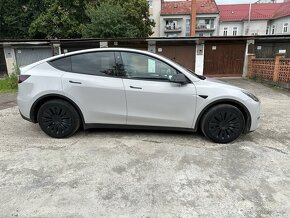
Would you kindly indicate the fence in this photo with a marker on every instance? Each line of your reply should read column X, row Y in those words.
column 271, row 69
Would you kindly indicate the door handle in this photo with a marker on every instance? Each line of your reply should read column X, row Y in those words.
column 134, row 87
column 75, row 82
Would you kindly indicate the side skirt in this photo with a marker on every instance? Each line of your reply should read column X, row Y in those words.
column 135, row 127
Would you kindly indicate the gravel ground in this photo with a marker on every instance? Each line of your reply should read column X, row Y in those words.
column 114, row 173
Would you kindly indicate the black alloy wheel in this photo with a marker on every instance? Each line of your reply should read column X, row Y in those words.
column 223, row 123
column 58, row 118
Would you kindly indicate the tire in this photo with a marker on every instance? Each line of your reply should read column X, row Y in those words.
column 223, row 123
column 58, row 118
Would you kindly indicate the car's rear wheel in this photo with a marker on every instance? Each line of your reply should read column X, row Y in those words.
column 223, row 123
column 58, row 118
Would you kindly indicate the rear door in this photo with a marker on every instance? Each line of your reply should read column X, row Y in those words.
column 92, row 83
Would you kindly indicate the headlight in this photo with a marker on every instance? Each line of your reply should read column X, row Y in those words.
column 252, row 96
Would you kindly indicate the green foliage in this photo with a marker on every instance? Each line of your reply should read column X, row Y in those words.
column 62, row 19
column 119, row 18
column 51, row 19
column 10, row 83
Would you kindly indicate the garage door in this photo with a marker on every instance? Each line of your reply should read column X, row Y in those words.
column 182, row 54
column 224, row 59
column 26, row 56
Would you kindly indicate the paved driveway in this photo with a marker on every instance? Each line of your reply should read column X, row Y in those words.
column 111, row 173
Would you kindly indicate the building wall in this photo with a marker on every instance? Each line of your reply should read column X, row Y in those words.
column 279, row 23
column 181, row 21
column 216, row 24
column 257, row 27
column 230, row 26
column 10, row 59
column 154, row 11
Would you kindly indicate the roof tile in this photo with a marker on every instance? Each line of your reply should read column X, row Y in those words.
column 263, row 11
column 184, row 7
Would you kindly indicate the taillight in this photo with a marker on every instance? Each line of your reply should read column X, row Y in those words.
column 22, row 78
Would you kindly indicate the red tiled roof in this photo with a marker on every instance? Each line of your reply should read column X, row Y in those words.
column 206, row 7
column 283, row 11
column 176, row 7
column 263, row 11
column 184, row 7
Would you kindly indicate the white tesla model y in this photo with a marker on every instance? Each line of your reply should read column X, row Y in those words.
column 126, row 88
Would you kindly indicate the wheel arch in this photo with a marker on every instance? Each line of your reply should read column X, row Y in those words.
column 232, row 102
column 37, row 104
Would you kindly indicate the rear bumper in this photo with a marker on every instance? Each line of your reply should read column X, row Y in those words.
column 25, row 118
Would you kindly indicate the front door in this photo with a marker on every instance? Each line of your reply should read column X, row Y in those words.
column 152, row 99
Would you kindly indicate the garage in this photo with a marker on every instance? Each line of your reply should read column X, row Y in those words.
column 224, row 58
column 26, row 56
column 180, row 52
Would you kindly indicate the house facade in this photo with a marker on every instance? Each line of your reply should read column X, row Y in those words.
column 173, row 18
column 255, row 19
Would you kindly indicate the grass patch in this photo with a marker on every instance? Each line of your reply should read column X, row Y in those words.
column 10, row 83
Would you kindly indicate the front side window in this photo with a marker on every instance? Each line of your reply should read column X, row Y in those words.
column 138, row 66
column 97, row 63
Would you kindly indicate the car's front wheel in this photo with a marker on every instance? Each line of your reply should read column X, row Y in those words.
column 58, row 118
column 223, row 123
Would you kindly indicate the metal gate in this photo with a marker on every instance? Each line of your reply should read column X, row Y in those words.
column 26, row 56
column 224, row 59
column 3, row 68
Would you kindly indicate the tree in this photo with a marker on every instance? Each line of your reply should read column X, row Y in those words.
column 61, row 19
column 14, row 19
column 118, row 18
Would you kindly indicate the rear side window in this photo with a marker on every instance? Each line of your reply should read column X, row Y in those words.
column 62, row 64
column 98, row 63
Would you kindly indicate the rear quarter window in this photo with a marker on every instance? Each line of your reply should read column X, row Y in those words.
column 62, row 64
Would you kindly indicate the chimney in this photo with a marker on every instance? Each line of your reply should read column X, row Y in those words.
column 193, row 18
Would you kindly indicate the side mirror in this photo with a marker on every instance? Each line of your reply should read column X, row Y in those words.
column 179, row 78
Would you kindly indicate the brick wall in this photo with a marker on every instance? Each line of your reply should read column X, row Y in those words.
column 272, row 69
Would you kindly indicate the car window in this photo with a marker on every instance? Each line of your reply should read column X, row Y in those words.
column 62, row 64
column 138, row 66
column 97, row 63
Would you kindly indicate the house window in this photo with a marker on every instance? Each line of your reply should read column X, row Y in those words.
column 285, row 28
column 268, row 30
column 187, row 24
column 273, row 30
column 225, row 31
column 207, row 23
column 171, row 24
column 235, row 31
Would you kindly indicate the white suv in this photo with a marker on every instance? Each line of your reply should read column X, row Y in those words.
column 126, row 88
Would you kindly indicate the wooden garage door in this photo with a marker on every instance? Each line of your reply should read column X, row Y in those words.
column 224, row 59
column 182, row 54
column 3, row 69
